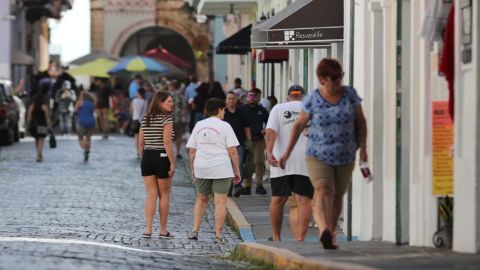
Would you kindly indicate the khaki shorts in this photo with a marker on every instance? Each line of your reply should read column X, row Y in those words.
column 213, row 186
column 320, row 171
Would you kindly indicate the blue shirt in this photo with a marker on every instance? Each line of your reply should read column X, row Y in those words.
column 133, row 89
column 85, row 114
column 191, row 91
column 331, row 136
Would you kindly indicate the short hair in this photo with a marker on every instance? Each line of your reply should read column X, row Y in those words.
column 138, row 77
column 141, row 92
column 238, row 81
column 255, row 90
column 231, row 92
column 213, row 106
column 329, row 67
column 194, row 79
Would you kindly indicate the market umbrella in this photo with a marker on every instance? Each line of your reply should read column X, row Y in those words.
column 164, row 55
column 91, row 57
column 95, row 68
column 142, row 65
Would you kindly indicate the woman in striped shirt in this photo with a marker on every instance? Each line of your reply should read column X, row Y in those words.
column 158, row 163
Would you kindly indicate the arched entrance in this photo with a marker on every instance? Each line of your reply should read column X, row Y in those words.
column 160, row 37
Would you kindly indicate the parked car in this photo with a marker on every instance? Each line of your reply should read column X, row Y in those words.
column 9, row 114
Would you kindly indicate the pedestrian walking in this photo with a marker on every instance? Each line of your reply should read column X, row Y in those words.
column 134, row 85
column 237, row 121
column 190, row 94
column 84, row 109
column 103, row 104
column 179, row 116
column 214, row 164
column 158, row 163
column 239, row 91
column 138, row 109
column 337, row 128
column 200, row 100
column 216, row 91
column 256, row 117
column 293, row 179
column 39, row 123
column 65, row 98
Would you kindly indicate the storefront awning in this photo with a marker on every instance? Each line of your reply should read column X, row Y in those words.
column 273, row 56
column 225, row 7
column 238, row 43
column 302, row 24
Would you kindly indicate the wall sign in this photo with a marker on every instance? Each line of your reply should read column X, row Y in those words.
column 466, row 35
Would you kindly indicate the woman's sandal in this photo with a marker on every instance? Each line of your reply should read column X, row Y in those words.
column 147, row 235
column 166, row 236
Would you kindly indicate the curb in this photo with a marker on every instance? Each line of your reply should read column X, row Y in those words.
column 284, row 259
column 236, row 218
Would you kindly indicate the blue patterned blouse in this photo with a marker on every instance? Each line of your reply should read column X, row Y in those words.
column 331, row 136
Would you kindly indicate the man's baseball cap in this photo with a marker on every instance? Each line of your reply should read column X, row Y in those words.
column 296, row 90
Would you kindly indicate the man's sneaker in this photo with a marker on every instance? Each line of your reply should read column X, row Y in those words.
column 260, row 190
column 193, row 235
column 219, row 240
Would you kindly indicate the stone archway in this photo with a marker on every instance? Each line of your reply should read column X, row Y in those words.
column 114, row 22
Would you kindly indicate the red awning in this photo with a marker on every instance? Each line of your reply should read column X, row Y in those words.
column 273, row 56
column 164, row 55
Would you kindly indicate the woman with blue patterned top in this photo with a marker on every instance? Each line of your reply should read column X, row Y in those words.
column 336, row 129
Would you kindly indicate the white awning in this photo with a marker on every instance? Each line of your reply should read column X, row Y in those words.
column 222, row 7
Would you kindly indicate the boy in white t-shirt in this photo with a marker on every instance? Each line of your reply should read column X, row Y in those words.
column 294, row 178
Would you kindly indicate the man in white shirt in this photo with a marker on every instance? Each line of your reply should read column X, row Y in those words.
column 294, row 178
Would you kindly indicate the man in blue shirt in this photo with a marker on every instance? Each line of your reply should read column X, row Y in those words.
column 134, row 86
column 190, row 94
column 256, row 117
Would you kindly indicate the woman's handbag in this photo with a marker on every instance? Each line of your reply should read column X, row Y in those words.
column 52, row 141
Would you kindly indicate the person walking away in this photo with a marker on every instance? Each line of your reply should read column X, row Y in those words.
column 237, row 121
column 138, row 109
column 135, row 84
column 84, row 109
column 158, row 163
column 239, row 91
column 65, row 98
column 216, row 91
column 39, row 123
column 103, row 104
column 179, row 118
column 214, row 164
column 190, row 94
column 336, row 116
column 294, row 178
column 256, row 117
column 200, row 100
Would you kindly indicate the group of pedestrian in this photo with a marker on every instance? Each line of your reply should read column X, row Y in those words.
column 310, row 143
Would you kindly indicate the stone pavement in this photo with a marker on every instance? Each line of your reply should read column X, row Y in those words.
column 250, row 213
column 67, row 214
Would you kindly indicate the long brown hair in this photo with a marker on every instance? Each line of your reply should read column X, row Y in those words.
column 154, row 108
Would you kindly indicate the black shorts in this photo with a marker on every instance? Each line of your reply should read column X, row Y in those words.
column 284, row 186
column 135, row 127
column 155, row 162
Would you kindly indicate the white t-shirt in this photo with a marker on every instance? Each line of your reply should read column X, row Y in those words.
column 139, row 107
column 211, row 138
column 281, row 120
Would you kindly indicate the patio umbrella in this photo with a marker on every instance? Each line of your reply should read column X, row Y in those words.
column 95, row 68
column 164, row 55
column 141, row 65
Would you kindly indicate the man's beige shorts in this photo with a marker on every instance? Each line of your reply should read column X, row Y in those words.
column 320, row 171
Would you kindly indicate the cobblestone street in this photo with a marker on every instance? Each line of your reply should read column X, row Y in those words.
column 67, row 214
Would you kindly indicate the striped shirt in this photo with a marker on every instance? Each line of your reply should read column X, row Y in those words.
column 153, row 134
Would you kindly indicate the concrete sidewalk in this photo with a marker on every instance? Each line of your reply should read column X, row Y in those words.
column 251, row 217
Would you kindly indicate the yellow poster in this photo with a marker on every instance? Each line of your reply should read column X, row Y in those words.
column 442, row 145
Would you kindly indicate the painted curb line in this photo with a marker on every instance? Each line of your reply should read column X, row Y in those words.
column 284, row 259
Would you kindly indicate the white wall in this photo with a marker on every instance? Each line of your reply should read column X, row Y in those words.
column 5, row 33
column 467, row 138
